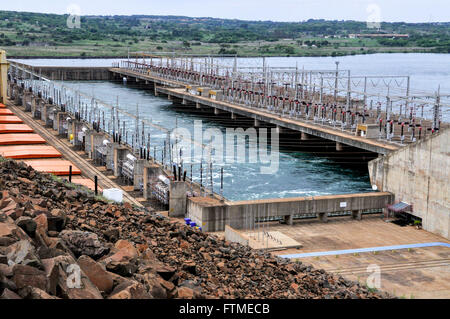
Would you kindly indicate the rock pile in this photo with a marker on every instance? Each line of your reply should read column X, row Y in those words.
column 57, row 241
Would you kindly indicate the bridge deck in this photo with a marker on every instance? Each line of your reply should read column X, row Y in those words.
column 176, row 89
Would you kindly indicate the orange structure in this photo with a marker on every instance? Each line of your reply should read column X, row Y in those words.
column 15, row 128
column 86, row 182
column 10, row 120
column 21, row 139
column 58, row 167
column 29, row 151
column 6, row 112
column 18, row 142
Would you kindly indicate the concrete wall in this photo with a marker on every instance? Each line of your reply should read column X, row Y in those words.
column 214, row 215
column 419, row 175
column 235, row 236
column 177, row 199
column 74, row 73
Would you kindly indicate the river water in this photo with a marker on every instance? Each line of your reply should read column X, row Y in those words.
column 298, row 174
column 427, row 70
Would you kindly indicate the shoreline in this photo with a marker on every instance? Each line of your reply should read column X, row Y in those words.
column 25, row 57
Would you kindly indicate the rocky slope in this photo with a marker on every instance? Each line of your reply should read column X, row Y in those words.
column 57, row 241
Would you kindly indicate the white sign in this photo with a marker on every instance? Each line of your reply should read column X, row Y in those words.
column 343, row 204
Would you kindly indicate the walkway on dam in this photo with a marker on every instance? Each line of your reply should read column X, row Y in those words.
column 364, row 250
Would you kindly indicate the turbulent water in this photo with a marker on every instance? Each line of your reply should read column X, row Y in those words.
column 299, row 174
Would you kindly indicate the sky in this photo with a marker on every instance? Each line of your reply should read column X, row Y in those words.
column 275, row 10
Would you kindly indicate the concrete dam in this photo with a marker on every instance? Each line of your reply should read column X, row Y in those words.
column 302, row 109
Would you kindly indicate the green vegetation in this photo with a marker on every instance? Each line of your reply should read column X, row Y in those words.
column 371, row 289
column 36, row 34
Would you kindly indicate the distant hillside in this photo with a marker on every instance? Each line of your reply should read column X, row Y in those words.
column 47, row 30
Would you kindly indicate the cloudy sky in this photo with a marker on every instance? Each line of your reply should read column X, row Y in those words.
column 278, row 10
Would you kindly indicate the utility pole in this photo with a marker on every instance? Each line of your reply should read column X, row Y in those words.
column 436, row 110
column 336, row 82
column 349, row 93
column 365, row 93
column 408, row 89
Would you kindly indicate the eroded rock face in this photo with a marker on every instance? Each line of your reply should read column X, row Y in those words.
column 58, row 242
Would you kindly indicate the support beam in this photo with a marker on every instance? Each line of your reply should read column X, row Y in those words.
column 289, row 220
column 323, row 217
column 257, row 123
column 59, row 121
column 357, row 214
column 116, row 162
column 145, row 182
column 3, row 77
column 178, row 199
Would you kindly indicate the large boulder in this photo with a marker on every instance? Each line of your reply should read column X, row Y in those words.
column 8, row 294
column 96, row 273
column 185, row 293
column 27, row 224
column 23, row 253
column 7, row 283
column 67, row 280
column 128, row 247
column 84, row 243
column 42, row 228
column 130, row 290
column 11, row 233
column 155, row 286
column 35, row 293
column 24, row 276
column 56, row 220
column 126, row 268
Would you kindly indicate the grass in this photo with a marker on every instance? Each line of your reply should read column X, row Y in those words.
column 110, row 48
column 370, row 289
column 101, row 198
